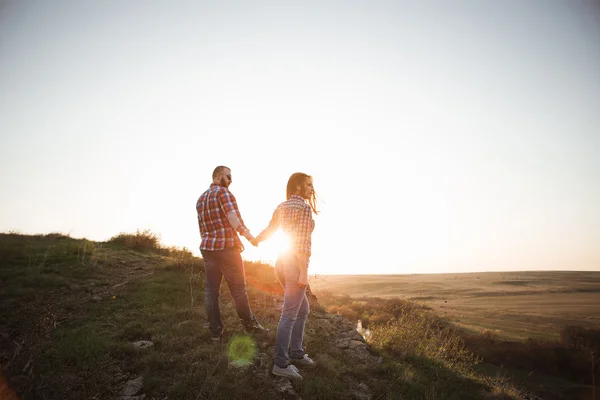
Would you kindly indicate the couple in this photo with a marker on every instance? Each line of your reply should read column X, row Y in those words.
column 220, row 220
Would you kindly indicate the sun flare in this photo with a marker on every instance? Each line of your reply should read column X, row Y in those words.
column 270, row 249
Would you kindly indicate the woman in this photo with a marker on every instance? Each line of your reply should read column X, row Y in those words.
column 294, row 217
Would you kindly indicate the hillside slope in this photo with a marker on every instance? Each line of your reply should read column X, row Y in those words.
column 124, row 319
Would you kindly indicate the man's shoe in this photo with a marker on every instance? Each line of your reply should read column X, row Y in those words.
column 290, row 372
column 216, row 338
column 305, row 361
column 255, row 326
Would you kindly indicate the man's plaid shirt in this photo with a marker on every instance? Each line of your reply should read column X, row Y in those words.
column 212, row 208
column 294, row 216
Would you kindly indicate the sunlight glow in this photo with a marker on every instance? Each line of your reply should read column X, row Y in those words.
column 269, row 250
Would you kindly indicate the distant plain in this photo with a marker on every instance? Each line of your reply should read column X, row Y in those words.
column 514, row 305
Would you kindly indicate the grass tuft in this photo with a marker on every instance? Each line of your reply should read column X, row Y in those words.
column 145, row 240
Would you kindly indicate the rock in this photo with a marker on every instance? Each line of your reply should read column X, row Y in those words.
column 342, row 343
column 133, row 387
column 143, row 344
column 362, row 392
column 353, row 344
column 284, row 387
column 358, row 390
column 353, row 335
column 140, row 397
column 325, row 328
column 96, row 298
column 361, row 354
column 263, row 361
column 239, row 367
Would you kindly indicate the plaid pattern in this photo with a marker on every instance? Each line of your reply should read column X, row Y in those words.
column 294, row 216
column 212, row 208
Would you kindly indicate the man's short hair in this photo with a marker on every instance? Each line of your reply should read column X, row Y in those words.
column 219, row 170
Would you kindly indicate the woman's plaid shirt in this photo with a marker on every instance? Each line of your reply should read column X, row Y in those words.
column 294, row 217
column 212, row 208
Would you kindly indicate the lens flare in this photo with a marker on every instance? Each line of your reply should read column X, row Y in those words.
column 241, row 351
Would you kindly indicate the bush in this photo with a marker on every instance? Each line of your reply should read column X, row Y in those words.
column 489, row 336
column 570, row 358
column 579, row 338
column 380, row 318
column 145, row 240
column 420, row 334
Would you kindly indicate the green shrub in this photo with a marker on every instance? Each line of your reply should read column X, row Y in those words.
column 144, row 240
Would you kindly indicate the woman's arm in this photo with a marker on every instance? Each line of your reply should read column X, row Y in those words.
column 269, row 230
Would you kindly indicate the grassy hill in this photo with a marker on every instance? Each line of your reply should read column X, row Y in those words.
column 124, row 319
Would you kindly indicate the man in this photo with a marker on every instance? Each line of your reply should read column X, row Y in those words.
column 219, row 218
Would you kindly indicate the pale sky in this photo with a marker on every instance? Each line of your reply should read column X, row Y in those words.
column 442, row 136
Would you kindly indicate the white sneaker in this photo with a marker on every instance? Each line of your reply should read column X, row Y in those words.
column 289, row 372
column 305, row 361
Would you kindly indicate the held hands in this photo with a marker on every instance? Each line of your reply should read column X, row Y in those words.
column 251, row 239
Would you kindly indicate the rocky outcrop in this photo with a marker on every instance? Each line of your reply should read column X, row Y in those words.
column 345, row 337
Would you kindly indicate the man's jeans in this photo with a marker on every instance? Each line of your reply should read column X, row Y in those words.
column 226, row 263
column 290, row 330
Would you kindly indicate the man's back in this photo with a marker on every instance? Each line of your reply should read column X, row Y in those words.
column 212, row 208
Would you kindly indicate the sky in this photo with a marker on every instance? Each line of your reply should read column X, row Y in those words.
column 441, row 136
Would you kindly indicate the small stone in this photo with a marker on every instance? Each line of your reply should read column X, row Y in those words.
column 239, row 365
column 362, row 392
column 140, row 397
column 133, row 387
column 284, row 387
column 263, row 361
column 143, row 344
column 183, row 323
column 96, row 298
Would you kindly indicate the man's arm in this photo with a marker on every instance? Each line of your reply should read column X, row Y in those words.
column 230, row 207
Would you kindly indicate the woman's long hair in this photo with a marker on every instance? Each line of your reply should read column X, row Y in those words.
column 297, row 179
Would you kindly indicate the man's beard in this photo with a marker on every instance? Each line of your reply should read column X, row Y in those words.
column 224, row 182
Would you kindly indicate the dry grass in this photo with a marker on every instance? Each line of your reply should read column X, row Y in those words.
column 514, row 305
column 544, row 324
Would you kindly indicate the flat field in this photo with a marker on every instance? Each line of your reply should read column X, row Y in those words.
column 515, row 305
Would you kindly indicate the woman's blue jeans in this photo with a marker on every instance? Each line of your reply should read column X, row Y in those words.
column 290, row 331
